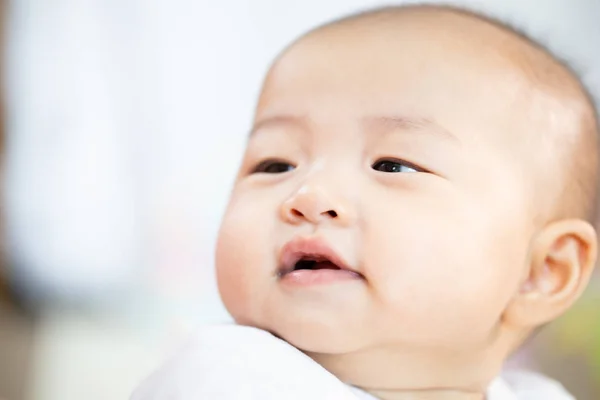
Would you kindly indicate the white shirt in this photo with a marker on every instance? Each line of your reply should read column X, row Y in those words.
column 240, row 363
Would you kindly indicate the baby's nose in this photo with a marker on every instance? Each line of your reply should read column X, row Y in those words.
column 311, row 204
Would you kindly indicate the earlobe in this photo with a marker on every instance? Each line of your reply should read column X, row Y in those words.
column 563, row 257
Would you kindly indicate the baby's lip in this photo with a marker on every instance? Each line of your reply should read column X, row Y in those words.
column 313, row 248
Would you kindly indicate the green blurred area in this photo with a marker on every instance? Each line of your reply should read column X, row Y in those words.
column 569, row 348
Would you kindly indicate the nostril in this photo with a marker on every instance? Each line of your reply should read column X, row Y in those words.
column 297, row 213
column 332, row 213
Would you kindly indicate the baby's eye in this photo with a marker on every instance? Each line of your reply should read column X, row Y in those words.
column 273, row 167
column 395, row 166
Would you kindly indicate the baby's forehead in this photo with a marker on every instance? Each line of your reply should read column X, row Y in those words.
column 334, row 75
column 446, row 63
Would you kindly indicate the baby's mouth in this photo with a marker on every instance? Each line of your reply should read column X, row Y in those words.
column 313, row 263
column 303, row 255
column 314, row 270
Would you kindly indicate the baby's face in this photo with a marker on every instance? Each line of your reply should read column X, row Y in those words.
column 397, row 160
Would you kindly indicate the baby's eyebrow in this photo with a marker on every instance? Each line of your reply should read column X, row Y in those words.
column 402, row 123
column 384, row 124
column 278, row 120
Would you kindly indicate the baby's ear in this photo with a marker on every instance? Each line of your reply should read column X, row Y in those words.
column 563, row 256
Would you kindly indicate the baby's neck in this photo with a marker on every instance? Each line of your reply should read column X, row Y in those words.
column 433, row 394
column 392, row 374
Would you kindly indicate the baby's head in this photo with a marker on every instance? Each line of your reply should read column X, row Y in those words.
column 441, row 171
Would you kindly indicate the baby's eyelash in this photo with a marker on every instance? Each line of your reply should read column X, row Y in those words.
column 273, row 166
column 395, row 165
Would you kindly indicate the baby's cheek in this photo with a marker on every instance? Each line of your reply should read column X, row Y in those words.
column 476, row 277
column 437, row 283
column 242, row 262
column 231, row 282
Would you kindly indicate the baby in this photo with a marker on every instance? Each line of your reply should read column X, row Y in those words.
column 417, row 198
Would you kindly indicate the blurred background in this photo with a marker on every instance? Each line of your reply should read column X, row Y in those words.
column 122, row 125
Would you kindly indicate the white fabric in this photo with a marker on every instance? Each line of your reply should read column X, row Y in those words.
column 238, row 363
column 233, row 362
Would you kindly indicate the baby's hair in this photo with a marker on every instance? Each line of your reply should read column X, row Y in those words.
column 579, row 196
